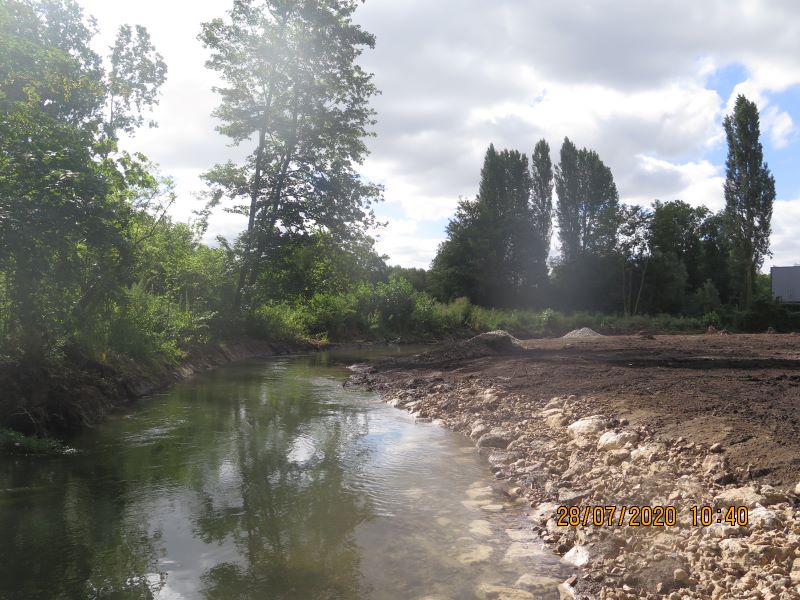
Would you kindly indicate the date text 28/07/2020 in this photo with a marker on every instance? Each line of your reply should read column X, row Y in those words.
column 648, row 516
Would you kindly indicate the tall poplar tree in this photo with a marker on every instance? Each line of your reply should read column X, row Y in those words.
column 588, row 203
column 749, row 194
column 541, row 209
column 293, row 89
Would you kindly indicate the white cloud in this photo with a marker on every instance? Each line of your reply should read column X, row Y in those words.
column 629, row 79
column 785, row 242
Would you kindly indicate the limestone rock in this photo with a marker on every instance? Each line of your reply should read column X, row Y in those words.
column 773, row 495
column 795, row 573
column 588, row 426
column 579, row 556
column 763, row 518
column 543, row 511
column 479, row 429
column 616, row 457
column 611, row 440
column 723, row 530
column 570, row 497
column 741, row 496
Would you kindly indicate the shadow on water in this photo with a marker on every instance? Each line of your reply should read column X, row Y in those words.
column 264, row 479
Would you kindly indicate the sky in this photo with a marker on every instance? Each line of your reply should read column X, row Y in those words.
column 645, row 84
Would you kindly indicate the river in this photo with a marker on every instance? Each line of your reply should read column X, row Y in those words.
column 264, row 479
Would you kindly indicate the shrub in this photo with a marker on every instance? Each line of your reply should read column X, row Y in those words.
column 278, row 322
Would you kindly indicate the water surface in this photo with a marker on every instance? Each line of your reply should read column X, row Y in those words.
column 263, row 479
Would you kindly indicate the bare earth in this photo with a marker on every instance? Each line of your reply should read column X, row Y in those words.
column 679, row 420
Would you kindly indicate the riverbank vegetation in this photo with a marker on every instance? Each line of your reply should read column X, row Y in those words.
column 94, row 271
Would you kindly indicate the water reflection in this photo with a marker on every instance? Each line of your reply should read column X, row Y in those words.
column 260, row 480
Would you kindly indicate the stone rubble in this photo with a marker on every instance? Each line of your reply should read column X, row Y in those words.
column 560, row 452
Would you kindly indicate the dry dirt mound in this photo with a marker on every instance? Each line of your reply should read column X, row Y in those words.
column 583, row 332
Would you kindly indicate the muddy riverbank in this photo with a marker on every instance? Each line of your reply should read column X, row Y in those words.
column 60, row 398
column 647, row 421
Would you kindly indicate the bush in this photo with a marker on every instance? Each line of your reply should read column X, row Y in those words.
column 150, row 327
column 278, row 322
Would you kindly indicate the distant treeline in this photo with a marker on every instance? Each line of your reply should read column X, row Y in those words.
column 669, row 258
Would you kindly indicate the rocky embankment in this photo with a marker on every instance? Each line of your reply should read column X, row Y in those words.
column 563, row 451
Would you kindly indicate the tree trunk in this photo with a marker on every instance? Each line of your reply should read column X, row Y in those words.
column 251, row 221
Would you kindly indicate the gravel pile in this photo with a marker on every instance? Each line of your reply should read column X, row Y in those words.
column 583, row 332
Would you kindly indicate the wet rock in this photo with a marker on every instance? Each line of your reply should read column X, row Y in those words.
column 495, row 439
column 543, row 511
column 523, row 550
column 611, row 440
column 566, row 592
column 520, row 535
column 741, row 496
column 480, row 528
column 499, row 592
column 493, row 508
column 476, row 555
column 476, row 493
column 536, row 583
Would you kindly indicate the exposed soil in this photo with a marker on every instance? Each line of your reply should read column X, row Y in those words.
column 680, row 421
column 742, row 391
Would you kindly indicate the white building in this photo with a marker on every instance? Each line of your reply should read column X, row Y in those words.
column 786, row 283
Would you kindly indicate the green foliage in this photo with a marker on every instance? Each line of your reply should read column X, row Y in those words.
column 13, row 442
column 749, row 195
column 292, row 83
column 154, row 328
column 278, row 322
column 497, row 244
column 587, row 204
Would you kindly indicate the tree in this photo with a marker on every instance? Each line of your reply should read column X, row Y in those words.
column 494, row 254
column 133, row 83
column 541, row 206
column 588, row 219
column 292, row 87
column 677, row 229
column 65, row 206
column 587, row 203
column 634, row 248
column 749, row 194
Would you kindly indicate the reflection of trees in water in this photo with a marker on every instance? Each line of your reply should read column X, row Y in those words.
column 295, row 522
column 73, row 539
column 82, row 526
